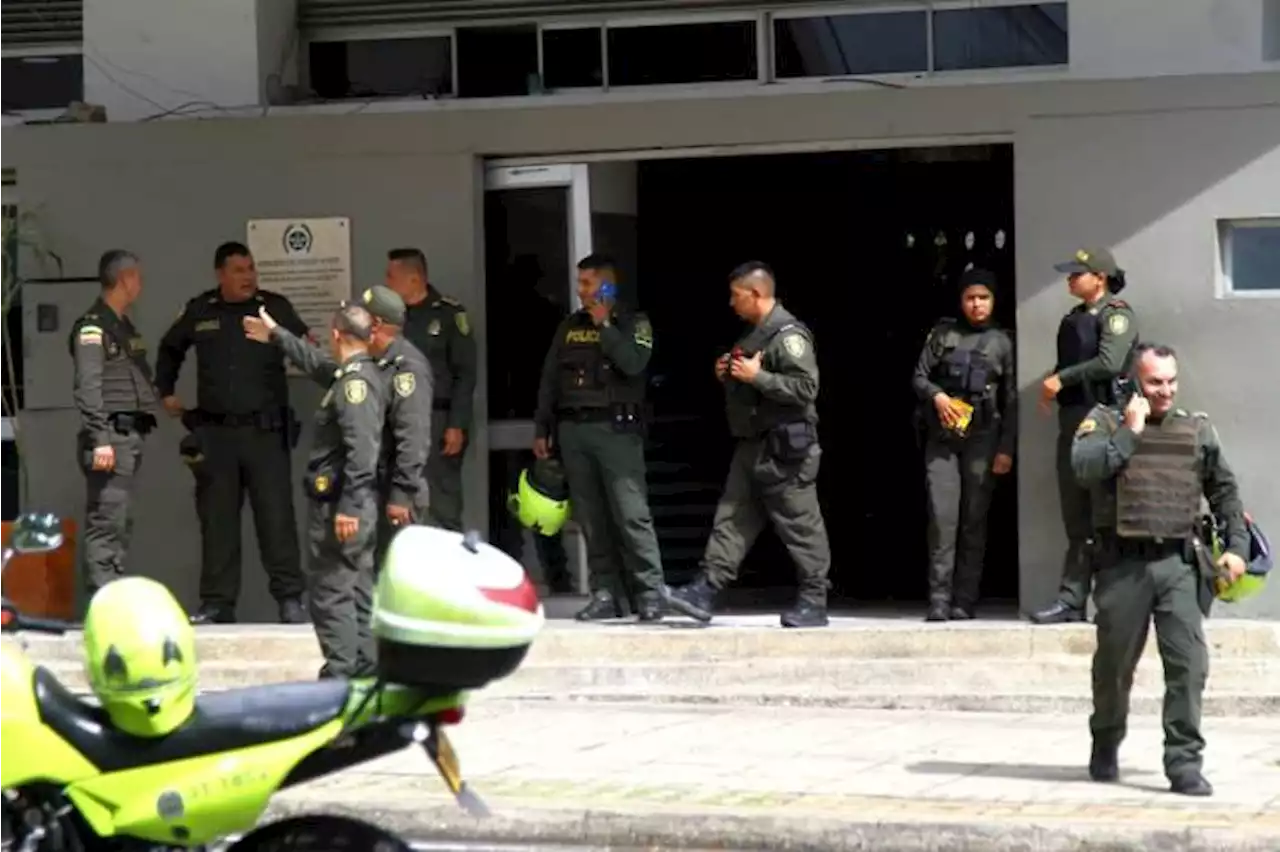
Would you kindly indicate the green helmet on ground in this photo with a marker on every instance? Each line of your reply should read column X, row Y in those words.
column 140, row 656
column 541, row 499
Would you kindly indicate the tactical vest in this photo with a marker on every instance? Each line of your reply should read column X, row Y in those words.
column 751, row 413
column 967, row 371
column 1079, row 334
column 1158, row 493
column 587, row 379
column 126, row 374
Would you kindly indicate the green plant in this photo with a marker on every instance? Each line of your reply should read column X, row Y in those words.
column 21, row 238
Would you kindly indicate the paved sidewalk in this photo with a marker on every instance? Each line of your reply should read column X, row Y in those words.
column 800, row 778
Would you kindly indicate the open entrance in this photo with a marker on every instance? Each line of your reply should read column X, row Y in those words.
column 866, row 246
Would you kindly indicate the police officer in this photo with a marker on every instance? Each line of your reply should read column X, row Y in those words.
column 771, row 390
column 967, row 385
column 1147, row 466
column 438, row 325
column 341, row 482
column 1096, row 340
column 117, row 404
column 245, row 430
column 590, row 405
column 402, row 482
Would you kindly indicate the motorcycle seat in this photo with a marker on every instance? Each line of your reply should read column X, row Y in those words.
column 222, row 721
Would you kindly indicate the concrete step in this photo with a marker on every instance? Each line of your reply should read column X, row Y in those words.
column 737, row 638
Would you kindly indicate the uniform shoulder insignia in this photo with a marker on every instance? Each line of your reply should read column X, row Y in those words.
column 643, row 331
column 795, row 344
column 1086, row 426
column 356, row 390
column 89, row 335
column 405, row 384
column 460, row 320
column 1117, row 323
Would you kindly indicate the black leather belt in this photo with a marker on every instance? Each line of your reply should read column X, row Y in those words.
column 584, row 415
column 1145, row 548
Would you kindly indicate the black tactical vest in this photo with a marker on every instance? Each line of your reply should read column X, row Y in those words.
column 1078, row 336
column 967, row 372
column 1158, row 492
column 587, row 379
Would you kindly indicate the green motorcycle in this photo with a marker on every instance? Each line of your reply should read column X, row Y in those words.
column 155, row 766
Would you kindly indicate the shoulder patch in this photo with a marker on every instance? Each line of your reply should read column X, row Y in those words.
column 460, row 320
column 405, row 384
column 643, row 333
column 795, row 344
column 90, row 335
column 1086, row 426
column 1117, row 323
column 355, row 390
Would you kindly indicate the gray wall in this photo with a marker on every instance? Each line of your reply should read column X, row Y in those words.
column 1141, row 165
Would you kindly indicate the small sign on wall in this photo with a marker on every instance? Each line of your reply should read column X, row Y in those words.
column 306, row 260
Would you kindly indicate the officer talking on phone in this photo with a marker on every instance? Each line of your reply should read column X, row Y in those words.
column 590, row 406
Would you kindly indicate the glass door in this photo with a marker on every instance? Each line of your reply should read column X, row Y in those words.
column 537, row 226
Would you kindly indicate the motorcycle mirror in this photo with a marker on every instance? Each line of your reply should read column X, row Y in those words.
column 36, row 532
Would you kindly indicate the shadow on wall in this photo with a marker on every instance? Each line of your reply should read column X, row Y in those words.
column 1150, row 186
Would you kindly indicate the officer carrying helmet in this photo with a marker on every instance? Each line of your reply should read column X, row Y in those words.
column 541, row 499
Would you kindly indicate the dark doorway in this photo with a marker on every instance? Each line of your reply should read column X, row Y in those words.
column 866, row 246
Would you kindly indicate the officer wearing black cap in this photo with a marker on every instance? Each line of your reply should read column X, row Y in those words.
column 243, row 433
column 402, row 478
column 1096, row 342
column 967, row 387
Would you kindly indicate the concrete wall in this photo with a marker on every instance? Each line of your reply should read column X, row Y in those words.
column 1142, row 165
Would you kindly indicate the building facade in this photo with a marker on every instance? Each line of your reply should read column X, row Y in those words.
column 1147, row 126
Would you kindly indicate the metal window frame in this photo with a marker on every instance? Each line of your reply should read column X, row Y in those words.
column 759, row 18
column 596, row 24
column 971, row 6
column 380, row 32
column 791, row 14
column 36, row 51
column 1224, row 230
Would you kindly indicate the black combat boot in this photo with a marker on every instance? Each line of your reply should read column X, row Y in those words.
column 696, row 600
column 291, row 611
column 1104, row 763
column 806, row 614
column 1058, row 613
column 938, row 611
column 214, row 614
column 602, row 606
column 961, row 612
column 1190, row 783
column 649, row 607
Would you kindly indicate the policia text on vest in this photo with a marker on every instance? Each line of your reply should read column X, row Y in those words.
column 591, row 410
column 1146, row 478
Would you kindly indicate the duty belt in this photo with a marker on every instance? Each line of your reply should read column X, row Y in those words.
column 233, row 421
column 585, row 415
column 127, row 422
column 1150, row 549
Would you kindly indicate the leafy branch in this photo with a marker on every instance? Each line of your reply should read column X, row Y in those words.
column 21, row 236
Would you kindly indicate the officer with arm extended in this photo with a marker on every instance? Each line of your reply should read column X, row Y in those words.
column 438, row 326
column 244, row 429
column 771, row 390
column 1096, row 340
column 967, row 385
column 590, row 402
column 402, row 484
column 341, row 484
column 117, row 404
column 1147, row 467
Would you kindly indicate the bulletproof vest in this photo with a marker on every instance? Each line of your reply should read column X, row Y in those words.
column 1078, row 336
column 967, row 371
column 751, row 413
column 1158, row 493
column 126, row 374
column 587, row 379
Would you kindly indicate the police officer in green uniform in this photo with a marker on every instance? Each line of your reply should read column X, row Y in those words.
column 117, row 405
column 341, row 482
column 243, row 430
column 438, row 326
column 1095, row 347
column 590, row 404
column 402, row 482
column 1147, row 466
column 967, row 387
column 771, row 390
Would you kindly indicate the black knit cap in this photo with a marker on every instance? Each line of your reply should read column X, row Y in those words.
column 977, row 276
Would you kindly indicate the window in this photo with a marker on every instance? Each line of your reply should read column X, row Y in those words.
column 1249, row 255
column 1000, row 36
column 658, row 54
column 42, row 81
column 836, row 45
column 382, row 68
column 496, row 62
column 572, row 58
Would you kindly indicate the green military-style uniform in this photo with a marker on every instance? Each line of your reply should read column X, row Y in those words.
column 975, row 365
column 773, row 473
column 440, row 328
column 590, row 403
column 1146, row 491
column 117, row 404
column 1095, row 347
column 341, row 479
